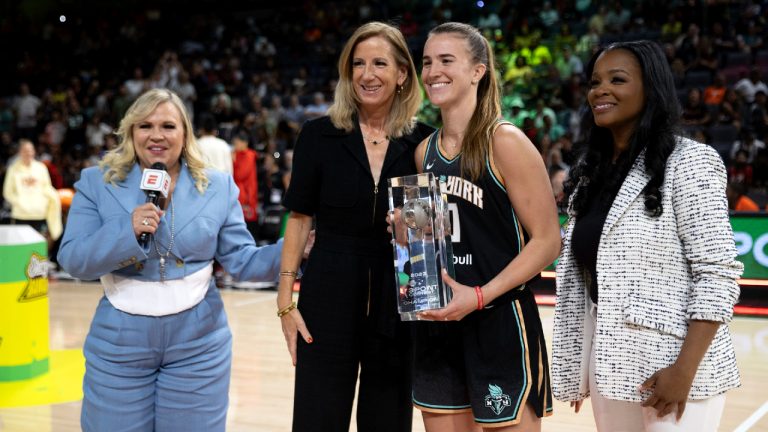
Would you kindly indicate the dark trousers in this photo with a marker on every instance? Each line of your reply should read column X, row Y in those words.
column 327, row 374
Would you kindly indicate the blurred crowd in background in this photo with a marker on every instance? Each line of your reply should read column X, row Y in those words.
column 261, row 70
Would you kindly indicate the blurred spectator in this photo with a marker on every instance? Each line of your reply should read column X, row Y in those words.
column 715, row 92
column 317, row 108
column 671, row 28
column 550, row 129
column 754, row 37
column 519, row 73
column 557, row 176
column 548, row 15
column 488, row 20
column 565, row 38
column 186, row 91
column 596, row 23
column 541, row 111
column 274, row 114
column 272, row 185
column 758, row 114
column 706, row 58
column 687, row 44
column 538, row 53
column 695, row 113
column 747, row 143
column 27, row 188
column 617, row 18
column 75, row 125
column 748, row 86
column 588, row 43
column 568, row 64
column 95, row 132
column 738, row 200
column 294, row 113
column 245, row 176
column 730, row 109
column 739, row 170
column 723, row 39
column 55, row 130
column 216, row 151
column 25, row 107
column 136, row 85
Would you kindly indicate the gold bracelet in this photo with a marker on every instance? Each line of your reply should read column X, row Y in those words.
column 290, row 273
column 284, row 311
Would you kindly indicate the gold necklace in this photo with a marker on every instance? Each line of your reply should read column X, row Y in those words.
column 373, row 141
column 450, row 154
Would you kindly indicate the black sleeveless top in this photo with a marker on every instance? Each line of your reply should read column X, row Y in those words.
column 486, row 234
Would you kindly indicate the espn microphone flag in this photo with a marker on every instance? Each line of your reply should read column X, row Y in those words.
column 156, row 180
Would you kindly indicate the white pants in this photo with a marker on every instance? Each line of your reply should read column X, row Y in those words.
column 620, row 416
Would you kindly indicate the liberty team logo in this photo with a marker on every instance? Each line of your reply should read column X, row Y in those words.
column 496, row 400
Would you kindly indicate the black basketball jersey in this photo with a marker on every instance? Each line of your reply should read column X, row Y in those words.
column 486, row 234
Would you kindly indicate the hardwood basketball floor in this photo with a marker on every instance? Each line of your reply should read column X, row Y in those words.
column 262, row 375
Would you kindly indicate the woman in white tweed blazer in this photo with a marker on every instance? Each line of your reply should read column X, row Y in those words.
column 646, row 281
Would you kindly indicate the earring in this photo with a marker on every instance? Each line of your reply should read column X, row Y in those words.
column 399, row 89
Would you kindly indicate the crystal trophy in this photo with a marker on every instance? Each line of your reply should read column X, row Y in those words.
column 422, row 243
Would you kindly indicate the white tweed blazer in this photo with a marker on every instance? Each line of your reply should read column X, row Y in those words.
column 654, row 275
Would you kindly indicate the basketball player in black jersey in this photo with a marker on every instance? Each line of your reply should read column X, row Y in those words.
column 482, row 364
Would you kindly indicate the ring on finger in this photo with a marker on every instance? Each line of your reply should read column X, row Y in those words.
column 145, row 222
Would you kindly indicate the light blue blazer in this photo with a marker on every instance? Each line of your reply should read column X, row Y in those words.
column 99, row 237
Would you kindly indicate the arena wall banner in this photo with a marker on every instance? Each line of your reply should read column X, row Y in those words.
column 751, row 235
column 750, row 231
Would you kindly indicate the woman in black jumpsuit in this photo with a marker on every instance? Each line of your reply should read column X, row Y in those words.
column 347, row 317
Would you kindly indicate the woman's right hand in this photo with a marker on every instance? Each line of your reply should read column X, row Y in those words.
column 145, row 218
column 576, row 405
column 293, row 324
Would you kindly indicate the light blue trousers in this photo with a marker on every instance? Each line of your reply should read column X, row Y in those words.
column 168, row 373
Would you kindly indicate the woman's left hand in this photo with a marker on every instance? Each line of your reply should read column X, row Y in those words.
column 671, row 386
column 463, row 302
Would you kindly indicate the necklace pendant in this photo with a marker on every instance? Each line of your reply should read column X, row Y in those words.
column 162, row 269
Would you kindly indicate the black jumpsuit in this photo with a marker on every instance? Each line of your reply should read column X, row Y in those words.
column 348, row 292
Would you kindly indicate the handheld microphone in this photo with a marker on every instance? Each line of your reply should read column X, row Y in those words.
column 155, row 181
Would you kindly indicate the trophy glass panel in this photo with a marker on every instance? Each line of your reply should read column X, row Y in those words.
column 421, row 245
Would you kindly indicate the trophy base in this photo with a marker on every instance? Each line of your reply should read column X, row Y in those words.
column 410, row 316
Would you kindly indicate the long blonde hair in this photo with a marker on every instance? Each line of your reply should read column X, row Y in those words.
column 479, row 133
column 400, row 120
column 120, row 160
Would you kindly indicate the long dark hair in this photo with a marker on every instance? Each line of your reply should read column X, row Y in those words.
column 655, row 132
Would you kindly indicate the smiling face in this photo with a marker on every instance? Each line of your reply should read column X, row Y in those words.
column 448, row 70
column 375, row 73
column 616, row 94
column 159, row 137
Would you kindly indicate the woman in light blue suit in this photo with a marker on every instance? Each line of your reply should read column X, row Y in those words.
column 158, row 354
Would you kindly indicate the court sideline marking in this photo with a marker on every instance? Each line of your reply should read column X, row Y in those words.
column 757, row 415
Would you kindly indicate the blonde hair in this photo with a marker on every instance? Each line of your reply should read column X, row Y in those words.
column 400, row 120
column 120, row 160
column 479, row 133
